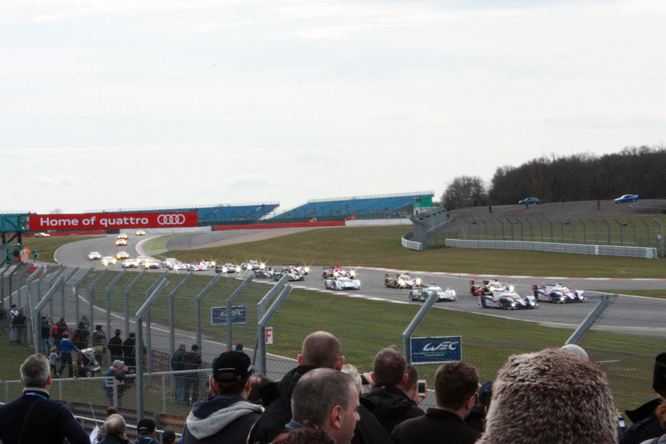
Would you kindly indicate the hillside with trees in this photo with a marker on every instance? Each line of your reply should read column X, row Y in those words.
column 577, row 177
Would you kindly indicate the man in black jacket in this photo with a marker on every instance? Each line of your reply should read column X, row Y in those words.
column 116, row 347
column 179, row 380
column 455, row 392
column 320, row 350
column 191, row 361
column 18, row 419
column 646, row 424
column 391, row 405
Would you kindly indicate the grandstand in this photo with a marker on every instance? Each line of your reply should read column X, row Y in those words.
column 363, row 207
column 221, row 214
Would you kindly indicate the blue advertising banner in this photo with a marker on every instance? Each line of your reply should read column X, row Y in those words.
column 238, row 315
column 436, row 350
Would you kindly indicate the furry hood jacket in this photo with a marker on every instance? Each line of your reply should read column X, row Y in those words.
column 552, row 396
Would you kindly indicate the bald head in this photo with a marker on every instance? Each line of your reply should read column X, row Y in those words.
column 321, row 349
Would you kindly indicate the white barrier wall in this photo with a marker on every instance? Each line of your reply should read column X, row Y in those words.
column 377, row 222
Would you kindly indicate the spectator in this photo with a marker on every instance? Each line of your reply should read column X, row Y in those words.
column 118, row 370
column 227, row 416
column 179, row 380
column 552, row 396
column 646, row 424
column 99, row 345
column 168, row 437
column 327, row 399
column 4, row 316
column 58, row 330
column 412, row 386
column 129, row 351
column 146, row 431
column 320, row 350
column 306, row 435
column 65, row 349
column 191, row 361
column 455, row 392
column 99, row 432
column 262, row 387
column 116, row 430
column 477, row 417
column 20, row 324
column 13, row 312
column 33, row 417
column 45, row 335
column 81, row 335
column 391, row 405
column 54, row 357
column 116, row 346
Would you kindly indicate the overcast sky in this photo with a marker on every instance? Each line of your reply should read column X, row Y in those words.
column 149, row 103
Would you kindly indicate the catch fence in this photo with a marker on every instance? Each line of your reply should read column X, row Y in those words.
column 179, row 308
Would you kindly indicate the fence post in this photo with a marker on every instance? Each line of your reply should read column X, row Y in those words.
column 138, row 318
column 608, row 228
column 500, row 221
column 511, row 224
column 261, row 328
column 261, row 308
column 10, row 275
column 172, row 326
column 632, row 224
column 621, row 237
column 590, row 320
column 108, row 300
column 662, row 237
column 91, row 288
column 414, row 324
column 230, row 300
column 197, row 304
column 35, row 331
column 126, row 300
column 18, row 281
column 38, row 309
column 76, row 290
column 149, row 333
column 551, row 231
column 649, row 239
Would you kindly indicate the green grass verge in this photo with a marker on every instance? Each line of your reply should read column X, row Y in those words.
column 47, row 246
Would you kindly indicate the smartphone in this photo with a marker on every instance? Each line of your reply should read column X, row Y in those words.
column 422, row 387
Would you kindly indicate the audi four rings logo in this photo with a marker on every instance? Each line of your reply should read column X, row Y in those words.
column 171, row 219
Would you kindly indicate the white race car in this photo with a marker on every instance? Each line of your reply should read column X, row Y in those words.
column 150, row 264
column 129, row 263
column 507, row 300
column 252, row 265
column 558, row 293
column 109, row 260
column 123, row 236
column 198, row 266
column 94, row 256
column 342, row 283
column 422, row 293
column 226, row 268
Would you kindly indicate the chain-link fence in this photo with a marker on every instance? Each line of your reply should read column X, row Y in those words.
column 189, row 309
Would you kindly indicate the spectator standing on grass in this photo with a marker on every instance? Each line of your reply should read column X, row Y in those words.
column 129, row 351
column 390, row 403
column 45, row 335
column 320, row 350
column 227, row 416
column 179, row 379
column 99, row 344
column 54, row 357
column 20, row 324
column 118, row 370
column 58, row 330
column 82, row 334
column 4, row 315
column 13, row 312
column 65, row 349
column 191, row 361
column 116, row 346
column 455, row 392
column 33, row 417
column 116, row 430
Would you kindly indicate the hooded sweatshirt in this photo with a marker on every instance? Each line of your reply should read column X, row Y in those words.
column 222, row 418
column 391, row 406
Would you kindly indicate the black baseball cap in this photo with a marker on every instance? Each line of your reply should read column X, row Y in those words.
column 145, row 426
column 232, row 366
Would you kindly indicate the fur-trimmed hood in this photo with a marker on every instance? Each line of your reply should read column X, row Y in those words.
column 552, row 396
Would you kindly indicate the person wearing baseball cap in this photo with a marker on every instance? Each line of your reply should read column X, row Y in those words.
column 645, row 421
column 226, row 416
column 146, row 431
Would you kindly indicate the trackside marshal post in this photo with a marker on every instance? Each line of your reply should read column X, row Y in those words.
column 437, row 350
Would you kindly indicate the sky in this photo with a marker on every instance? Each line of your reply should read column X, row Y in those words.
column 167, row 103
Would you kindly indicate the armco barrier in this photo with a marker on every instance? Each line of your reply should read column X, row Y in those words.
column 596, row 250
column 69, row 233
column 330, row 223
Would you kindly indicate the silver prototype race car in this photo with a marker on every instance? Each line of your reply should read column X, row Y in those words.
column 507, row 300
column 342, row 283
column 558, row 293
column 422, row 293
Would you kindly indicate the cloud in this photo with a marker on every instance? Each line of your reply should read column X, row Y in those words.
column 60, row 181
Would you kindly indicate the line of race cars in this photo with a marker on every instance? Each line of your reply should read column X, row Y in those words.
column 494, row 294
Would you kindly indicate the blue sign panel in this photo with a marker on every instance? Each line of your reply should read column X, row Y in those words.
column 436, row 350
column 238, row 315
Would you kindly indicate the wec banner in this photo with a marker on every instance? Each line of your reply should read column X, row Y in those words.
column 436, row 350
column 112, row 220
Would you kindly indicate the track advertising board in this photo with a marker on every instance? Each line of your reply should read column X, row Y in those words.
column 436, row 350
column 219, row 315
column 106, row 221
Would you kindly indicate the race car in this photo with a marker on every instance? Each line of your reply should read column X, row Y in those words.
column 401, row 280
column 123, row 236
column 252, row 265
column 422, row 293
column 167, row 261
column 558, row 293
column 108, row 260
column 488, row 287
column 150, row 264
column 302, row 269
column 293, row 274
column 342, row 283
column 141, row 259
column 337, row 272
column 129, row 263
column 177, row 266
column 140, row 233
column 42, row 235
column 264, row 273
column 199, row 266
column 507, row 300
column 121, row 243
column 226, row 268
column 94, row 256
column 122, row 255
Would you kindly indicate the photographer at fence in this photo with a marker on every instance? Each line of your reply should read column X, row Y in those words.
column 118, row 371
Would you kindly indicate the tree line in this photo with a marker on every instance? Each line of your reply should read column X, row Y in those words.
column 634, row 170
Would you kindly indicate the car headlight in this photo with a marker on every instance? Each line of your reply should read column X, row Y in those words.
column 212, row 263
column 307, row 269
column 418, row 281
column 352, row 273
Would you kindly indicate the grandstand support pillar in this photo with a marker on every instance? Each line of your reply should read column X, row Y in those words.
column 411, row 328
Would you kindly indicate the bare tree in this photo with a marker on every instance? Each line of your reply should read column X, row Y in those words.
column 56, row 211
column 464, row 191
